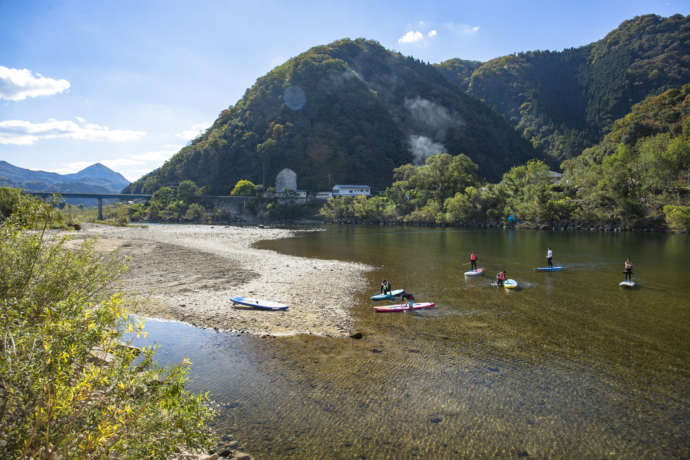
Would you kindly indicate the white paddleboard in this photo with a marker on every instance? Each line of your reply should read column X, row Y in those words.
column 404, row 307
column 258, row 303
column 477, row 272
column 628, row 284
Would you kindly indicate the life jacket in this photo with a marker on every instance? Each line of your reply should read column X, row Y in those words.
column 473, row 257
column 501, row 276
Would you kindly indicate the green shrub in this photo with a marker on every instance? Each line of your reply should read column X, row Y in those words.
column 68, row 389
column 678, row 218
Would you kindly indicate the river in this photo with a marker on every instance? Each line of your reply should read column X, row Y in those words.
column 569, row 365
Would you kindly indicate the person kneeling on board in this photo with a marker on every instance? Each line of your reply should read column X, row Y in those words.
column 385, row 287
column 500, row 278
column 408, row 298
column 628, row 269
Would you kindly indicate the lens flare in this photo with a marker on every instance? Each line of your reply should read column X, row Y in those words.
column 294, row 97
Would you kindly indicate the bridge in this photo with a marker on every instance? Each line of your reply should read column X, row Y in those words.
column 138, row 196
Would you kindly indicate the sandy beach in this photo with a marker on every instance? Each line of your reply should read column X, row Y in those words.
column 189, row 273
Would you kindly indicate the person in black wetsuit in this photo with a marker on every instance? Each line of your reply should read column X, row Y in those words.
column 408, row 298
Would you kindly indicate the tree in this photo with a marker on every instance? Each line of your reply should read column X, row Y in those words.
column 163, row 197
column 243, row 188
column 187, row 191
column 195, row 212
column 68, row 388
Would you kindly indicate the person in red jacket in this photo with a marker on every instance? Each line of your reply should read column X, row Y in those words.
column 473, row 260
column 500, row 278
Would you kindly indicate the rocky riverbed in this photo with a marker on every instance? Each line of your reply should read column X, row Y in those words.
column 189, row 273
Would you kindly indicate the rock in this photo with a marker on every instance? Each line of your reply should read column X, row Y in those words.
column 356, row 335
column 242, row 456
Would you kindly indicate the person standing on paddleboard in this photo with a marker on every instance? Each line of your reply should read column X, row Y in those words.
column 549, row 256
column 628, row 269
column 473, row 260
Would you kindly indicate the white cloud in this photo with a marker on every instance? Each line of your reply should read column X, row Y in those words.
column 194, row 131
column 19, row 84
column 20, row 132
column 412, row 36
column 432, row 33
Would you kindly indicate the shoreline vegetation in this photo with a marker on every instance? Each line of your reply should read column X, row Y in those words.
column 68, row 387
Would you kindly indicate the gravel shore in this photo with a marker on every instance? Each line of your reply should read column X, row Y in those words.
column 189, row 272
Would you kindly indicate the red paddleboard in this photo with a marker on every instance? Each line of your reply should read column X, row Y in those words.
column 404, row 307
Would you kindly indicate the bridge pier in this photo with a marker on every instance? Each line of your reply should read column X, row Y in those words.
column 100, row 208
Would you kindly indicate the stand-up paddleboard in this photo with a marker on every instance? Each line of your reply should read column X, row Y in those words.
column 477, row 272
column 404, row 307
column 258, row 303
column 628, row 284
column 555, row 268
column 510, row 284
column 390, row 295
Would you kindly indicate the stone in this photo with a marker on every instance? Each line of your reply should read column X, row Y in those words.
column 242, row 456
column 356, row 335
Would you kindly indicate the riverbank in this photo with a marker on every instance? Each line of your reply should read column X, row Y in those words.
column 189, row 272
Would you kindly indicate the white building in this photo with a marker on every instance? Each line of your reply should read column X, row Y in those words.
column 286, row 180
column 351, row 190
column 324, row 195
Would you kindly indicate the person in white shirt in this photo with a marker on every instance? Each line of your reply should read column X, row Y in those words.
column 549, row 256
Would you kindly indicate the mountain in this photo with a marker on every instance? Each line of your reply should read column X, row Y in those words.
column 347, row 112
column 563, row 102
column 93, row 179
column 640, row 167
column 458, row 71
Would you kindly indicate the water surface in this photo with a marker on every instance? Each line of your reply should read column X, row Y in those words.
column 570, row 365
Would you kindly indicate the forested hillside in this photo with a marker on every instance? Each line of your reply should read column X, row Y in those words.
column 641, row 169
column 347, row 112
column 563, row 102
column 638, row 177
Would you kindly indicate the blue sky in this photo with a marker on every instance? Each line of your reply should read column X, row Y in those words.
column 128, row 83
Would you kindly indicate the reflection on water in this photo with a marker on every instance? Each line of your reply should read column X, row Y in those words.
column 569, row 365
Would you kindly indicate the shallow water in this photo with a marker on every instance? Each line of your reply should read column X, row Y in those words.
column 569, row 365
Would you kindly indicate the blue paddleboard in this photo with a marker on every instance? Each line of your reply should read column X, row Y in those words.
column 392, row 294
column 555, row 268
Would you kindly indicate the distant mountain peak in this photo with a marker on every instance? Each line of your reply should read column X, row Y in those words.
column 92, row 179
column 99, row 171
